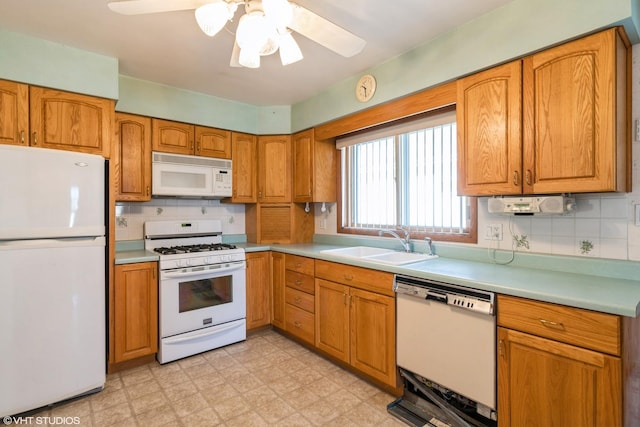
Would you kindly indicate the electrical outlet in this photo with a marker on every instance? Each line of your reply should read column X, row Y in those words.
column 494, row 232
column 323, row 224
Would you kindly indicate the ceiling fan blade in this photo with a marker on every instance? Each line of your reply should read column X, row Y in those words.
column 235, row 55
column 140, row 7
column 325, row 32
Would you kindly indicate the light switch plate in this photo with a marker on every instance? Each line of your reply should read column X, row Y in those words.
column 637, row 214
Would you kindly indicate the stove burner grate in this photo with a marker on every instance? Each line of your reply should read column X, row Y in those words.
column 207, row 247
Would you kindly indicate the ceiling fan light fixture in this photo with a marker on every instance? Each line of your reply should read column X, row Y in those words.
column 212, row 17
column 249, row 58
column 289, row 50
column 253, row 31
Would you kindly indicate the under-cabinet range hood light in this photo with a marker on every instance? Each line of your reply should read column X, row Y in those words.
column 534, row 205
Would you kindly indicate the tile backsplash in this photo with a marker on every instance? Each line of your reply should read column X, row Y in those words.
column 130, row 217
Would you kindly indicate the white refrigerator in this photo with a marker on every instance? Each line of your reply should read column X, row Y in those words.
column 52, row 276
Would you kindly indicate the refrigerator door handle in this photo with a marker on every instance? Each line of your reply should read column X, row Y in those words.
column 50, row 243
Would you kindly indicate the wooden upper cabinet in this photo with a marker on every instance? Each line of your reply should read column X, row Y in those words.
column 314, row 168
column 131, row 155
column 489, row 136
column 173, row 137
column 212, row 142
column 14, row 113
column 554, row 122
column 575, row 110
column 274, row 169
column 70, row 121
column 244, row 160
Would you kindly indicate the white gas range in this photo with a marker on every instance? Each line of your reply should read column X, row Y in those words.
column 202, row 287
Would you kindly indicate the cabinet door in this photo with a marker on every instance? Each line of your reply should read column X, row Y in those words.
column 244, row 158
column 136, row 310
column 314, row 168
column 489, row 137
column 14, row 113
column 173, row 137
column 574, row 96
column 303, row 166
column 332, row 319
column 274, row 169
column 212, row 142
column 547, row 383
column 258, row 290
column 69, row 121
column 373, row 335
column 277, row 289
column 132, row 158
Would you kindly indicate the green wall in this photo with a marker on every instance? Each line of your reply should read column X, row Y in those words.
column 514, row 30
column 43, row 63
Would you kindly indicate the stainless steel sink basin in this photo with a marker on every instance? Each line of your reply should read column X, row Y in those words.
column 383, row 256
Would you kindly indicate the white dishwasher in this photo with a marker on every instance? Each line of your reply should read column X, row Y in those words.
column 446, row 337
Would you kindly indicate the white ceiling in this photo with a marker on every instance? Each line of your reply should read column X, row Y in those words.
column 170, row 49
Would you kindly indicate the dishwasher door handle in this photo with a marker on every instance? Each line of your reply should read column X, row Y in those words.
column 434, row 296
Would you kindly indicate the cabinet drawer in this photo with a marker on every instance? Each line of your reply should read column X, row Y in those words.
column 363, row 278
column 299, row 281
column 300, row 323
column 300, row 264
column 300, row 299
column 584, row 328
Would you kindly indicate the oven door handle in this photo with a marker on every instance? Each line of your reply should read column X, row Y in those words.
column 206, row 332
column 210, row 269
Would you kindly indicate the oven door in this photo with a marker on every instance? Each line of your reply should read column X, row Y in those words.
column 200, row 297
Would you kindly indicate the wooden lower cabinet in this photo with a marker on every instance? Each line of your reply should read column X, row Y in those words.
column 357, row 327
column 135, row 311
column 258, row 290
column 565, row 366
column 277, row 289
column 299, row 297
column 549, row 383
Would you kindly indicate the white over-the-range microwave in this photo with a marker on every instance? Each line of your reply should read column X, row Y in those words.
column 177, row 175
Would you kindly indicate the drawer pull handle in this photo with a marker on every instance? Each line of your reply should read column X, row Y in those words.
column 299, row 282
column 553, row 325
column 298, row 300
column 516, row 178
column 21, row 137
column 297, row 324
column 348, row 277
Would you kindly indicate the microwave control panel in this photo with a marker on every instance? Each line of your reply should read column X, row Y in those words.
column 222, row 182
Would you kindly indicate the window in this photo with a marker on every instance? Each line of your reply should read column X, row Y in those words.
column 405, row 175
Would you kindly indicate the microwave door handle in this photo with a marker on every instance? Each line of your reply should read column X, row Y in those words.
column 191, row 273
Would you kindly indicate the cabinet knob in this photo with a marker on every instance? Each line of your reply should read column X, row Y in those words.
column 148, row 190
column 35, row 138
column 198, row 149
column 21, row 137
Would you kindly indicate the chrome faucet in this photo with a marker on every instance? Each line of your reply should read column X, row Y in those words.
column 406, row 240
column 429, row 246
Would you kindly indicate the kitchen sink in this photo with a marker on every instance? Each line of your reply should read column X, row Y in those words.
column 383, row 256
column 400, row 258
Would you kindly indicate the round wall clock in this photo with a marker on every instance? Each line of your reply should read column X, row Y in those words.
column 365, row 88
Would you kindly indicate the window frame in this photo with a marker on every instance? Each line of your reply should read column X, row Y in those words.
column 468, row 237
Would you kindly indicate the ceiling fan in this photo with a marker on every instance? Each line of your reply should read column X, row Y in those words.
column 264, row 29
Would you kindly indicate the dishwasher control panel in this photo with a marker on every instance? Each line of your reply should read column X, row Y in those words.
column 445, row 293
